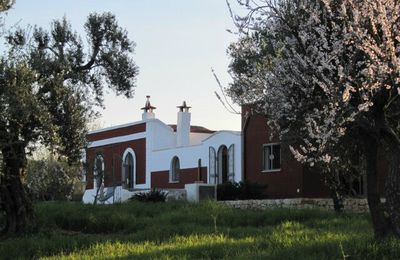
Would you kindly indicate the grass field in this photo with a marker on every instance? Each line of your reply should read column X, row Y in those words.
column 207, row 230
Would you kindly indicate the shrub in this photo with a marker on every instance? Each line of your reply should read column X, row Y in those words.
column 49, row 179
column 150, row 196
column 243, row 190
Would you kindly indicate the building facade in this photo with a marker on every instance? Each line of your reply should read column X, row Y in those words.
column 270, row 162
column 148, row 154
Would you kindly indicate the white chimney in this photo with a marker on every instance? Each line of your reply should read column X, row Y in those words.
column 148, row 110
column 183, row 126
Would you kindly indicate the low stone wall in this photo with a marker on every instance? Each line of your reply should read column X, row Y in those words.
column 176, row 194
column 350, row 204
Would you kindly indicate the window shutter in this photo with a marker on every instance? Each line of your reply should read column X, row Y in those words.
column 231, row 163
column 212, row 166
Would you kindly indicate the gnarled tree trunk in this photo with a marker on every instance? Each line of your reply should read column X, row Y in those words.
column 15, row 202
column 392, row 185
column 392, row 193
column 333, row 180
column 380, row 223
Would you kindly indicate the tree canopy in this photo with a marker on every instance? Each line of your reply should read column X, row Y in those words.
column 49, row 83
column 6, row 4
column 326, row 73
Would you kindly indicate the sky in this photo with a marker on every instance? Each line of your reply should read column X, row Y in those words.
column 177, row 44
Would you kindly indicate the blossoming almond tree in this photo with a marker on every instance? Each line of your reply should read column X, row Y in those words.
column 326, row 73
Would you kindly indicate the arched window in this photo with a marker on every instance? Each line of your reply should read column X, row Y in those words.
column 175, row 169
column 128, row 169
column 98, row 171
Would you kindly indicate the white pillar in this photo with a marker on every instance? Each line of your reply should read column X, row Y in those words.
column 148, row 115
column 183, row 129
column 183, row 126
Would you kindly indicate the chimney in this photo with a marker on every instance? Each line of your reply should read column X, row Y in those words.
column 183, row 126
column 148, row 110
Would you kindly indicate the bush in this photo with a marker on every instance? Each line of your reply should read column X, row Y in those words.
column 49, row 179
column 240, row 191
column 150, row 196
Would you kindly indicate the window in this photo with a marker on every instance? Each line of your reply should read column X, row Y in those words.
column 98, row 171
column 128, row 168
column 175, row 169
column 271, row 157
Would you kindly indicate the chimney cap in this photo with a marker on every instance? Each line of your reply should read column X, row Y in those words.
column 183, row 107
column 147, row 106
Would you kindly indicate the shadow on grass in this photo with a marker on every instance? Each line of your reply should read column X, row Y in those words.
column 287, row 241
column 214, row 247
column 183, row 230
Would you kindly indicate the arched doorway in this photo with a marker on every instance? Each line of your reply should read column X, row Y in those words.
column 221, row 164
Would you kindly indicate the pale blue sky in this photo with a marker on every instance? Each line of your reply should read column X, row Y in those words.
column 177, row 43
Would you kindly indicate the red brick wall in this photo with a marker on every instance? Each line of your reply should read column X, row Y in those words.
column 284, row 184
column 161, row 179
column 281, row 184
column 112, row 155
column 117, row 132
column 314, row 185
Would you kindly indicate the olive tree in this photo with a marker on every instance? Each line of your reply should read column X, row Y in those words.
column 49, row 82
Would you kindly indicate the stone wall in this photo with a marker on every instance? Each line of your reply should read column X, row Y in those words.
column 175, row 194
column 351, row 204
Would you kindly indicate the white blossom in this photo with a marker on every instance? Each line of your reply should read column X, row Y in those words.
column 323, row 74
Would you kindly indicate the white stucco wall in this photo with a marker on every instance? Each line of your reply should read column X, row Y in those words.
column 189, row 155
column 161, row 135
column 197, row 138
column 183, row 129
column 161, row 147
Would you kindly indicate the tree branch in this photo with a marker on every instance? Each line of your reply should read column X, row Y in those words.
column 92, row 60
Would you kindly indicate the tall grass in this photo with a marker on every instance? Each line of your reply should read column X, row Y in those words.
column 206, row 230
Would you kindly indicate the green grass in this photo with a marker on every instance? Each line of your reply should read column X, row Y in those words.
column 207, row 230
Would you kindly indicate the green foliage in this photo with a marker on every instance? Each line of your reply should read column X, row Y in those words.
column 48, row 179
column 150, row 196
column 185, row 230
column 50, row 80
column 6, row 4
column 240, row 191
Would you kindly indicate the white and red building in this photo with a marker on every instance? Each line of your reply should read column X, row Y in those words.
column 149, row 153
